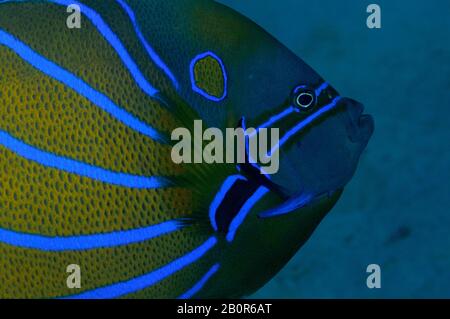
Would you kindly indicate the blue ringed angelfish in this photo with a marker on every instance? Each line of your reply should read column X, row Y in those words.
column 86, row 171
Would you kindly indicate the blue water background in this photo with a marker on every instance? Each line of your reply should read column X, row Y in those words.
column 396, row 210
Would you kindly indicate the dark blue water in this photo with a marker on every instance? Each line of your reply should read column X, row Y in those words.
column 396, row 210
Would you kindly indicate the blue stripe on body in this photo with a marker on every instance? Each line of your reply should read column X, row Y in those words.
column 111, row 38
column 115, row 238
column 75, row 167
column 53, row 70
column 150, row 51
column 218, row 199
column 115, row 43
column 87, row 242
column 149, row 279
column 199, row 285
column 245, row 210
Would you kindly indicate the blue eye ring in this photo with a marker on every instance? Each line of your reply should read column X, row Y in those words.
column 304, row 98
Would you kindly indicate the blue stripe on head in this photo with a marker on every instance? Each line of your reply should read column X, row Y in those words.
column 305, row 122
column 321, row 88
column 87, row 242
column 274, row 119
column 199, row 285
column 289, row 110
column 79, row 168
column 150, row 51
column 58, row 73
column 133, row 285
column 240, row 217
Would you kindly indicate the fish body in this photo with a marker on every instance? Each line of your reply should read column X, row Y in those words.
column 86, row 171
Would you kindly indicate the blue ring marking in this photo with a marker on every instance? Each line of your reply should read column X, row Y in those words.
column 199, row 285
column 226, row 186
column 150, row 51
column 115, row 43
column 305, row 123
column 79, row 168
column 53, row 70
column 86, row 242
column 149, row 279
column 322, row 88
column 198, row 90
column 239, row 219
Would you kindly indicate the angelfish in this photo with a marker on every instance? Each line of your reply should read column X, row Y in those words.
column 85, row 168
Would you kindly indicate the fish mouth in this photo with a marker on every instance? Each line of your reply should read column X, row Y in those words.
column 361, row 126
column 366, row 126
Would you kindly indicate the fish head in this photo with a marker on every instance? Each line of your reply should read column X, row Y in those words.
column 321, row 136
column 321, row 141
column 253, row 76
column 321, row 133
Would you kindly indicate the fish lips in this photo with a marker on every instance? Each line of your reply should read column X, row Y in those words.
column 361, row 126
column 366, row 128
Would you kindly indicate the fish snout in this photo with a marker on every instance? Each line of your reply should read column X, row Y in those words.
column 361, row 126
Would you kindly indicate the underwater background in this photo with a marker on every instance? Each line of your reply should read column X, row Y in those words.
column 396, row 210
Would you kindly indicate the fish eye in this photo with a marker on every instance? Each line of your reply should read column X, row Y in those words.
column 303, row 98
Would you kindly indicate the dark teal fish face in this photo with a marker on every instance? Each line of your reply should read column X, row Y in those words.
column 322, row 133
column 324, row 156
column 322, row 136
